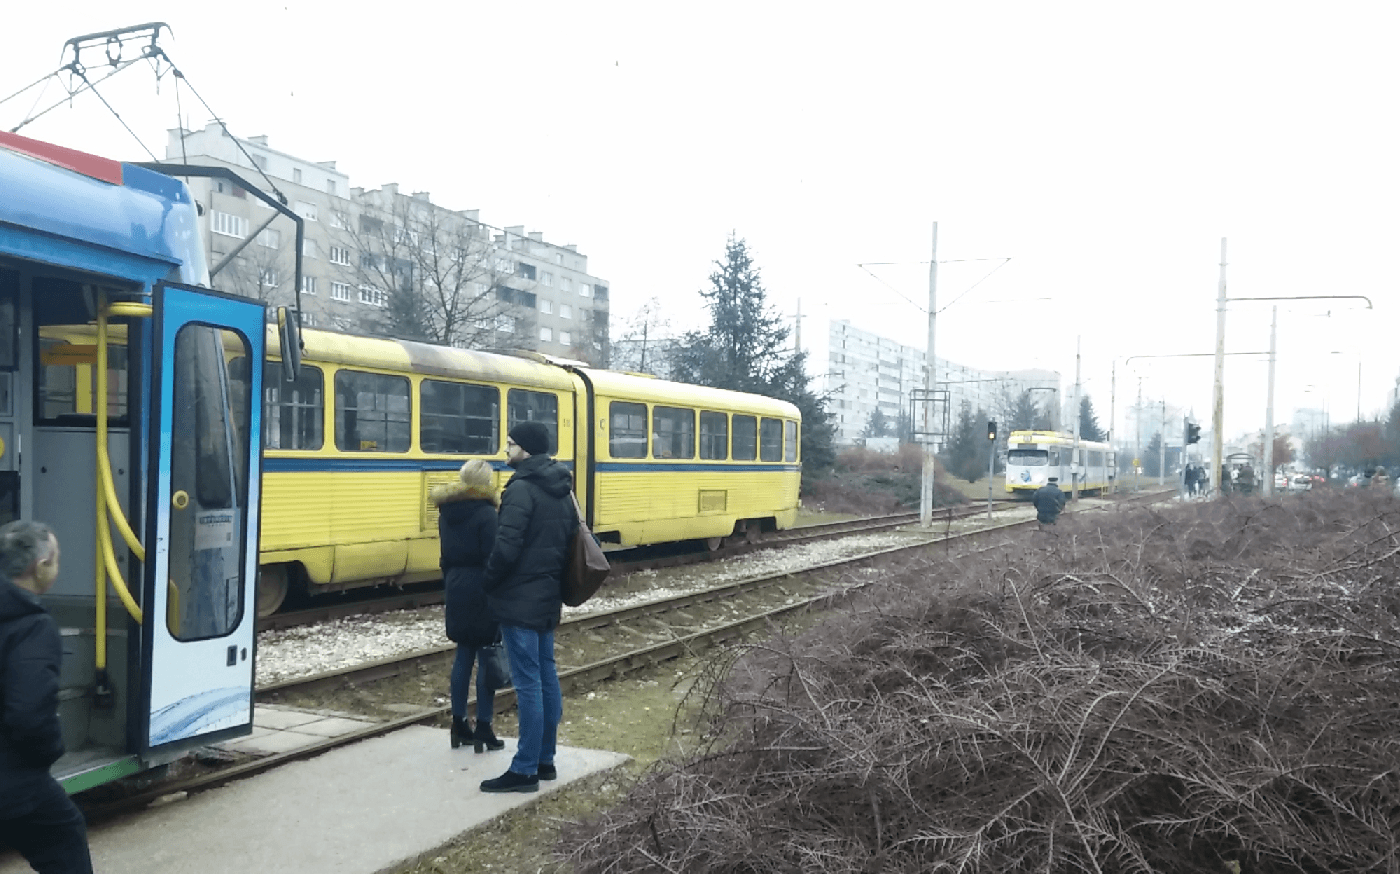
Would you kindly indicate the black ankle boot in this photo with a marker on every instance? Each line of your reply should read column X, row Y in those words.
column 485, row 738
column 461, row 732
column 511, row 782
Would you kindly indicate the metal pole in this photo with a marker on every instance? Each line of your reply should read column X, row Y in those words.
column 1217, row 417
column 931, row 383
column 1074, row 457
column 991, row 459
column 1112, row 395
column 1269, row 409
column 1137, row 449
column 1162, row 448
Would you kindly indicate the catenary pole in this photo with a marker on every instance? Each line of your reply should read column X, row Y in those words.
column 1074, row 466
column 1269, row 409
column 930, row 383
column 1162, row 448
column 1217, row 415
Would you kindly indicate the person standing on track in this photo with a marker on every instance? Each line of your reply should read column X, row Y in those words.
column 466, row 534
column 1049, row 501
column 523, row 577
column 37, row 817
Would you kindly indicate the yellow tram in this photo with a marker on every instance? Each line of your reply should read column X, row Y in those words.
column 370, row 426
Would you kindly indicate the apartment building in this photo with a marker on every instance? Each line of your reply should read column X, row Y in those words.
column 381, row 261
column 867, row 372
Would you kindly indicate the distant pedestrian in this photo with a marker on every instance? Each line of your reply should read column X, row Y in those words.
column 1049, row 501
column 1189, row 479
column 466, row 534
column 1245, row 480
column 523, row 576
column 37, row 817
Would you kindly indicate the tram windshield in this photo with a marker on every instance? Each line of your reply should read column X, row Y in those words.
column 1028, row 457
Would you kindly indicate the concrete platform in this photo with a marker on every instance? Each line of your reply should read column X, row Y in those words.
column 360, row 809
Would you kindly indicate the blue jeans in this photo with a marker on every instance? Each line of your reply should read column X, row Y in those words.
column 538, row 700
column 461, row 680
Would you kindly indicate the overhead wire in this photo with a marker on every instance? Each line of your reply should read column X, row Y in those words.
column 923, row 309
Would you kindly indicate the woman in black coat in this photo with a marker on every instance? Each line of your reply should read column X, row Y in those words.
column 466, row 532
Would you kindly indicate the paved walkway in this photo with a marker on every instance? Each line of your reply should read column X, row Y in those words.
column 359, row 809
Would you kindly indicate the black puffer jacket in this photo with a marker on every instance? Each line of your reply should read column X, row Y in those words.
column 30, row 737
column 466, row 533
column 537, row 525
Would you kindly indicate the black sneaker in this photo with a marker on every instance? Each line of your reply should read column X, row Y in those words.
column 547, row 772
column 511, row 782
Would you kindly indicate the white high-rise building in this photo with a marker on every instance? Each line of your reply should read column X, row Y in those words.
column 867, row 372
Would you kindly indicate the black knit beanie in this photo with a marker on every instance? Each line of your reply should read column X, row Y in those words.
column 533, row 437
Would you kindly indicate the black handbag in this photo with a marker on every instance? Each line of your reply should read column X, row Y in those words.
column 587, row 566
column 493, row 664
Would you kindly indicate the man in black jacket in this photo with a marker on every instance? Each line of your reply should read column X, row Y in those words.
column 1049, row 501
column 523, row 575
column 36, row 816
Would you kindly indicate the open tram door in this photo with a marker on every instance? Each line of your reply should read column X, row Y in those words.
column 202, row 497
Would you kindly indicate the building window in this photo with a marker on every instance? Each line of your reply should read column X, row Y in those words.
column 308, row 320
column 584, row 289
column 503, row 265
column 340, row 255
column 306, row 210
column 270, row 238
column 566, row 311
column 546, row 306
column 547, row 335
column 375, row 297
column 228, row 225
column 565, row 339
column 260, row 162
column 330, row 186
column 308, row 284
column 547, row 278
column 525, row 271
column 338, row 220
column 340, row 291
column 566, row 283
column 267, row 277
column 308, row 248
column 296, row 175
column 558, row 258
column 505, row 324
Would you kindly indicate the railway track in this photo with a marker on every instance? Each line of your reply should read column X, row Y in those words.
column 814, row 579
column 627, row 561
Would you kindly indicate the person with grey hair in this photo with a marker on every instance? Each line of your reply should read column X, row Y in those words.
column 37, row 817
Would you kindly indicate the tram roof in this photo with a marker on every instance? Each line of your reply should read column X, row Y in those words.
column 74, row 196
column 614, row 383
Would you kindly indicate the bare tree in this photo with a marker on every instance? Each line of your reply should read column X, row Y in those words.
column 261, row 271
column 436, row 273
column 643, row 342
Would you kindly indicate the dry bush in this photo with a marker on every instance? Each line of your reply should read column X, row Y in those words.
column 1204, row 688
column 868, row 482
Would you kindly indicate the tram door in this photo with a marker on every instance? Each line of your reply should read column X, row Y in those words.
column 202, row 522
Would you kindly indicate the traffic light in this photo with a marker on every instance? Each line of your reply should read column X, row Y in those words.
column 1193, row 432
column 991, row 429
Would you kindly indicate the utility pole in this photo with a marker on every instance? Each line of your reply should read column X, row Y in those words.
column 1217, row 417
column 1074, row 457
column 1162, row 448
column 797, row 340
column 1137, row 449
column 1269, row 409
column 931, row 384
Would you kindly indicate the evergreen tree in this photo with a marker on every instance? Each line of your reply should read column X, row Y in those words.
column 878, row 425
column 1151, row 455
column 744, row 349
column 964, row 454
column 1024, row 413
column 1088, row 423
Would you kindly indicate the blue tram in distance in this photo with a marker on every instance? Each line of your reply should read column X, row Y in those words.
column 124, row 427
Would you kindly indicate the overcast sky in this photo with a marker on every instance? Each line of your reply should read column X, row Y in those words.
column 1082, row 161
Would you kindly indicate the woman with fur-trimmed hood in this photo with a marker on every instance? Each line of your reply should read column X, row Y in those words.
column 466, row 532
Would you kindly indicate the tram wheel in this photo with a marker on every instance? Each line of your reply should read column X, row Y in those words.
column 273, row 584
column 714, row 543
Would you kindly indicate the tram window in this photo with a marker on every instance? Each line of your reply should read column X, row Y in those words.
column 371, row 412
column 627, row 430
column 790, row 441
column 770, row 442
column 714, row 435
column 294, row 411
column 1027, row 457
column 1054, row 457
column 1095, row 458
column 65, row 392
column 459, row 418
column 534, row 406
column 9, row 323
column 674, row 432
column 745, row 438
column 210, row 405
